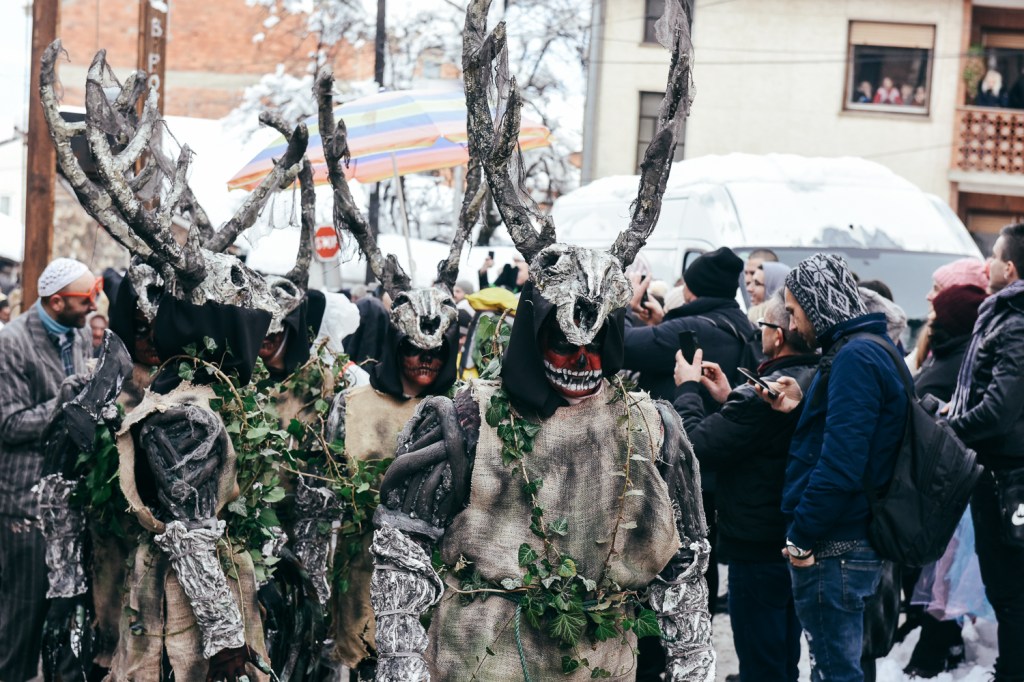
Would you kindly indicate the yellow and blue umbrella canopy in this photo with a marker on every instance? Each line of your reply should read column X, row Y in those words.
column 413, row 130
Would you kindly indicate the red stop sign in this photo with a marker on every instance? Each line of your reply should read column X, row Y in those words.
column 325, row 243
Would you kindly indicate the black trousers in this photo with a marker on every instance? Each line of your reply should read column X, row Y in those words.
column 23, row 586
column 1002, row 570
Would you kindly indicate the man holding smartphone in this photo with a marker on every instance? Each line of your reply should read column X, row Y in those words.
column 747, row 443
column 849, row 432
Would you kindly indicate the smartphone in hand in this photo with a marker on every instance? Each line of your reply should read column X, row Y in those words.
column 688, row 345
column 753, row 378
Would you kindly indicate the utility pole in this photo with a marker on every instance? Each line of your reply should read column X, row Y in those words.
column 152, row 53
column 42, row 160
column 379, row 45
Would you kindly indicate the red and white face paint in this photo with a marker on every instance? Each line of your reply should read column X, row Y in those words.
column 573, row 371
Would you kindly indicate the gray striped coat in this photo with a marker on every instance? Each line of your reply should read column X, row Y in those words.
column 31, row 373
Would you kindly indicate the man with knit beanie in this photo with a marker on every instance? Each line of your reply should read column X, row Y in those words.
column 849, row 432
column 40, row 350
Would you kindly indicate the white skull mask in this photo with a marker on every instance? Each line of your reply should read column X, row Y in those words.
column 424, row 315
column 584, row 285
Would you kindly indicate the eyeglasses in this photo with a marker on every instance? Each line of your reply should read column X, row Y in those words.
column 91, row 295
column 762, row 323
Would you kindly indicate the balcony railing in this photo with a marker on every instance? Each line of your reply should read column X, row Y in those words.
column 989, row 140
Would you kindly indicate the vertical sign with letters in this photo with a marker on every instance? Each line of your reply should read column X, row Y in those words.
column 153, row 43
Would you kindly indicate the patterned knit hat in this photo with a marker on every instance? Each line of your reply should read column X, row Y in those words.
column 827, row 292
column 963, row 271
column 58, row 274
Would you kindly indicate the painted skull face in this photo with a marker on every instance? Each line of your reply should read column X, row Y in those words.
column 585, row 286
column 420, row 367
column 573, row 371
column 424, row 315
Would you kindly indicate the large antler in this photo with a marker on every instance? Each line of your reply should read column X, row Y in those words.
column 346, row 213
column 299, row 274
column 448, row 269
column 494, row 148
column 673, row 31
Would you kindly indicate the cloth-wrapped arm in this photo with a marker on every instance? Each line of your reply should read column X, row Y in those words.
column 315, row 507
column 64, row 529
column 680, row 594
column 185, row 447
column 423, row 489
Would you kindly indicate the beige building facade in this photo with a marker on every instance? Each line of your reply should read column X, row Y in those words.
column 925, row 87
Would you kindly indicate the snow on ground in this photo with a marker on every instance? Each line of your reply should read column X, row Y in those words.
column 979, row 638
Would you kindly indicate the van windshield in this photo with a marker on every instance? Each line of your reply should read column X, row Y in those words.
column 907, row 273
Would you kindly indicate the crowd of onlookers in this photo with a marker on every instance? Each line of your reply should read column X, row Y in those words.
column 784, row 378
column 888, row 93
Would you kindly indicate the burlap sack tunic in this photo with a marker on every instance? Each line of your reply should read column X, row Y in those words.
column 372, row 423
column 157, row 617
column 578, row 453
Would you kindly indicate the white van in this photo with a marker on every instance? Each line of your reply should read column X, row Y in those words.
column 885, row 227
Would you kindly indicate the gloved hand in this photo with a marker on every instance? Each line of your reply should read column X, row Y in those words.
column 230, row 665
column 71, row 386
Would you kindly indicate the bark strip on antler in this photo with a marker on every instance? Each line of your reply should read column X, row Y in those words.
column 283, row 174
column 299, row 274
column 346, row 213
column 96, row 201
column 476, row 190
column 674, row 32
column 495, row 149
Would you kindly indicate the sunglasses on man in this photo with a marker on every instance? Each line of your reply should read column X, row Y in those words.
column 92, row 295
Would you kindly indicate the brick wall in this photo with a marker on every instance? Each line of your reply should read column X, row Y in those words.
column 211, row 56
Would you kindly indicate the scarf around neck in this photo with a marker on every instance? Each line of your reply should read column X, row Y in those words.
column 986, row 315
column 53, row 327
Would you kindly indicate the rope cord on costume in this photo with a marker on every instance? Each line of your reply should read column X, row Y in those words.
column 519, row 641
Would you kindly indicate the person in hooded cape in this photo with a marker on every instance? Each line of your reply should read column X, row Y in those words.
column 367, row 419
column 590, row 441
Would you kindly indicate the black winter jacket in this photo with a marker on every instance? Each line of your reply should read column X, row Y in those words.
column 937, row 375
column 652, row 349
column 994, row 421
column 747, row 444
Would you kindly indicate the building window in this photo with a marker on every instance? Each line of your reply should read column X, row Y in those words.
column 1000, row 71
column 649, row 104
column 890, row 67
column 653, row 9
column 5, row 204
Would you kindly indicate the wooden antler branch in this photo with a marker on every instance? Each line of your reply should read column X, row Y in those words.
column 493, row 148
column 346, row 214
column 299, row 274
column 476, row 190
column 96, row 201
column 283, row 174
column 657, row 163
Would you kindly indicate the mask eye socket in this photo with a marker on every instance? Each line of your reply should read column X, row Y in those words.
column 400, row 300
column 550, row 259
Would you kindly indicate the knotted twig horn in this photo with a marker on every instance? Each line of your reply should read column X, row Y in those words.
column 674, row 33
column 346, row 214
column 494, row 148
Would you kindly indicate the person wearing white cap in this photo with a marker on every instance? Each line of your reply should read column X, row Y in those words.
column 40, row 351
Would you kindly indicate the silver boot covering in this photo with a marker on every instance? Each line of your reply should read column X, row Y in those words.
column 63, row 528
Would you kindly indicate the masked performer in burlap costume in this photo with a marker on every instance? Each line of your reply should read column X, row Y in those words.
column 190, row 610
column 561, row 503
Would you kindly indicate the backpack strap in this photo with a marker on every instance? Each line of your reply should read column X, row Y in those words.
column 728, row 327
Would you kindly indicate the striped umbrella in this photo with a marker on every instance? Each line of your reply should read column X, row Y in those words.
column 389, row 134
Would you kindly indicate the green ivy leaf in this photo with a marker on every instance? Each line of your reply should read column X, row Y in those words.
column 569, row 664
column 274, row 495
column 527, row 555
column 599, row 673
column 647, row 624
column 567, row 627
column 606, row 630
column 567, row 568
column 268, row 517
column 209, row 344
column 185, row 371
column 258, row 433
column 561, row 526
column 533, row 486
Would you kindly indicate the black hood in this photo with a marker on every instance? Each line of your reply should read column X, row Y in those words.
column 238, row 331
column 386, row 375
column 367, row 341
column 121, row 312
column 522, row 368
column 301, row 328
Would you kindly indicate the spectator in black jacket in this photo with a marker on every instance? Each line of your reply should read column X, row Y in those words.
column 652, row 339
column 710, row 311
column 988, row 414
column 954, row 311
column 747, row 443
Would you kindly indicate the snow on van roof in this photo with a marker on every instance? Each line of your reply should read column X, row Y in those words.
column 729, row 168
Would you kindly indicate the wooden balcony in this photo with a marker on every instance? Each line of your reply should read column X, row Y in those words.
column 989, row 140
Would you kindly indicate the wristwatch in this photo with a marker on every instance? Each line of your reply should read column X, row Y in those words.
column 796, row 552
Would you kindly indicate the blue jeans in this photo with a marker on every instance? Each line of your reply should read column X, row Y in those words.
column 829, row 598
column 765, row 630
